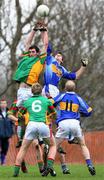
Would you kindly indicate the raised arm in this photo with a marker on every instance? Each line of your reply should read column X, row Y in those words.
column 79, row 73
column 29, row 40
column 42, row 27
column 44, row 36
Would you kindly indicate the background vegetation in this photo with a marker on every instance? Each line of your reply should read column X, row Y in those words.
column 76, row 28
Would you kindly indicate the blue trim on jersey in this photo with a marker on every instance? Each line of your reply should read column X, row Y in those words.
column 83, row 109
column 54, row 72
column 71, row 106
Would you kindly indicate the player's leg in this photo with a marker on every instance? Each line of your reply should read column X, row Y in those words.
column 51, row 154
column 62, row 154
column 50, row 140
column 21, row 132
column 19, row 142
column 45, row 150
column 84, row 148
column 39, row 155
column 20, row 156
column 20, row 135
column 51, row 157
column 30, row 134
column 64, row 167
column 4, row 145
column 23, row 94
column 61, row 134
column 86, row 154
column 23, row 167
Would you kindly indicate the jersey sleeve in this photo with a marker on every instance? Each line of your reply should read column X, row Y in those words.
column 57, row 99
column 13, row 109
column 85, row 109
column 48, row 69
column 51, row 109
column 49, row 49
column 68, row 74
column 22, row 111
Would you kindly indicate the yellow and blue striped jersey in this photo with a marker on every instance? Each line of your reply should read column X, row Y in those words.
column 54, row 72
column 71, row 106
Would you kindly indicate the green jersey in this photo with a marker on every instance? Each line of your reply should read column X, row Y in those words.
column 37, row 107
column 29, row 68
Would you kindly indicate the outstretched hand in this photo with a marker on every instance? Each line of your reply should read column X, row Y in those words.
column 84, row 61
column 40, row 25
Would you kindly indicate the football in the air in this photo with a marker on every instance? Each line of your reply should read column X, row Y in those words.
column 42, row 10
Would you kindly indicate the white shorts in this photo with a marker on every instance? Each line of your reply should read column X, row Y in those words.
column 53, row 91
column 68, row 129
column 36, row 130
column 23, row 94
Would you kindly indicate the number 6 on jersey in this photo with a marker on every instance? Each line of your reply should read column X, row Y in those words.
column 36, row 106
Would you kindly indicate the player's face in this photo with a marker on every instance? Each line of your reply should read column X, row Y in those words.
column 59, row 58
column 32, row 52
column 3, row 104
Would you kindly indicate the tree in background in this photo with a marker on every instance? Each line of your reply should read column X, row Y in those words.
column 75, row 27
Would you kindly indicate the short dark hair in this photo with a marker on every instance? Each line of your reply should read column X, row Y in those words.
column 36, row 88
column 58, row 52
column 35, row 47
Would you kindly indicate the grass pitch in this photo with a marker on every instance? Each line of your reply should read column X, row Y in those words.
column 78, row 172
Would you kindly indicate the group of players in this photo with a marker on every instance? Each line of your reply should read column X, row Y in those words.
column 42, row 107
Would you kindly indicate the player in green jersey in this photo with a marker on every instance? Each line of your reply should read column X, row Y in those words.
column 31, row 63
column 37, row 107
